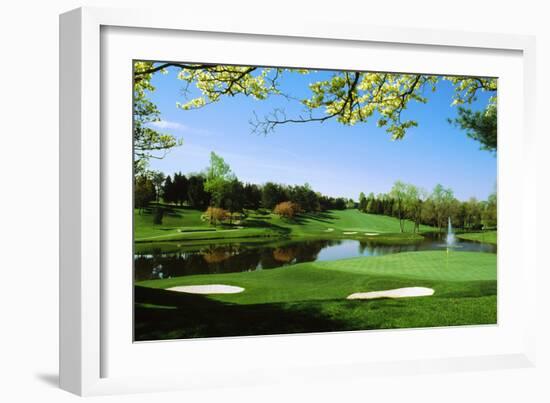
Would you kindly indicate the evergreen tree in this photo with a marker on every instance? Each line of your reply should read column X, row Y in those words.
column 252, row 196
column 180, row 188
column 196, row 195
column 168, row 191
column 362, row 202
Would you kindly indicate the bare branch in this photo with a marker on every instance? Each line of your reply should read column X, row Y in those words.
column 182, row 66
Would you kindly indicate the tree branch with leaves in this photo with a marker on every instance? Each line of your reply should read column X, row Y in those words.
column 349, row 97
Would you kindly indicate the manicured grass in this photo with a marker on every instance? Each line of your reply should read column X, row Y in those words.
column 339, row 222
column 185, row 245
column 485, row 237
column 174, row 219
column 186, row 224
column 209, row 234
column 311, row 297
column 339, row 278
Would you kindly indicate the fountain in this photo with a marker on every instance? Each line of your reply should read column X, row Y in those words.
column 451, row 239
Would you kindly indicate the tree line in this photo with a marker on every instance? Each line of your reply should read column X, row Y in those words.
column 219, row 193
column 218, row 190
column 408, row 202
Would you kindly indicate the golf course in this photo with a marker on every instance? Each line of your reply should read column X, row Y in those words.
column 280, row 200
column 308, row 296
column 183, row 224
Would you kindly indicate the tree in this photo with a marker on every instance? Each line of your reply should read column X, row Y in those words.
column 399, row 193
column 148, row 143
column 234, row 197
column 442, row 199
column 325, row 203
column 362, row 202
column 455, row 213
column 415, row 199
column 168, row 191
column 490, row 211
column 349, row 97
column 479, row 125
column 252, row 196
column 372, row 204
column 144, row 192
column 304, row 196
column 196, row 194
column 273, row 194
column 460, row 214
column 158, row 179
column 180, row 188
column 339, row 203
column 429, row 212
column 473, row 213
column 387, row 205
column 218, row 176
column 350, row 204
column 287, row 209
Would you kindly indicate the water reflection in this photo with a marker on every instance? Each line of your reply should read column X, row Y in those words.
column 237, row 257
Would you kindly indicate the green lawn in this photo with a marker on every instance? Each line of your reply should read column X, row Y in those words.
column 312, row 297
column 186, row 224
column 485, row 237
column 174, row 219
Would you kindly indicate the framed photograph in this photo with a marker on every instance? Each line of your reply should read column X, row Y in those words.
column 241, row 204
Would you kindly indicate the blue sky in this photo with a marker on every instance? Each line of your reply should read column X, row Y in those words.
column 334, row 159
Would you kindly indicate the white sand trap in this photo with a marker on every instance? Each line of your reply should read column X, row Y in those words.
column 371, row 233
column 208, row 289
column 350, row 233
column 396, row 293
column 329, row 229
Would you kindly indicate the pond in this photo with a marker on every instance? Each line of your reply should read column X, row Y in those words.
column 247, row 256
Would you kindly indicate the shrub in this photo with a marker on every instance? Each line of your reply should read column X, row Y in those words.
column 216, row 215
column 286, row 209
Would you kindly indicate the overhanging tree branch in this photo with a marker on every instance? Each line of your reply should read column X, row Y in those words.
column 138, row 74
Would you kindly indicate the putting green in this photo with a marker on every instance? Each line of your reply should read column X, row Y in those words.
column 311, row 297
column 340, row 278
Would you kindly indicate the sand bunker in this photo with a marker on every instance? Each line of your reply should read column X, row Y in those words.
column 371, row 233
column 329, row 229
column 208, row 289
column 350, row 233
column 396, row 293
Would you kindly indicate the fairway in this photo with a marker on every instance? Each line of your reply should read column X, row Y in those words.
column 187, row 224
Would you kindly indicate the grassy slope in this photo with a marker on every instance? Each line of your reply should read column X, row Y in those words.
column 486, row 237
column 186, row 224
column 174, row 219
column 311, row 297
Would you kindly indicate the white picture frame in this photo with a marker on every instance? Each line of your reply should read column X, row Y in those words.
column 89, row 336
